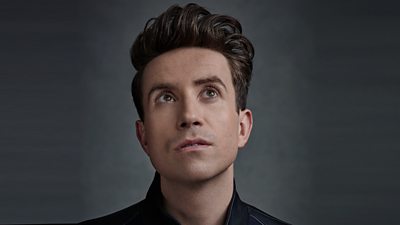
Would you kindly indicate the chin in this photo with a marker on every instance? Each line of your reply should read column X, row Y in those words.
column 196, row 175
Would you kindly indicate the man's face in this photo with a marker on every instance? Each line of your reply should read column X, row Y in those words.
column 191, row 129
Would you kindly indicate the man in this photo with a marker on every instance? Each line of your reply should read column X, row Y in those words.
column 193, row 73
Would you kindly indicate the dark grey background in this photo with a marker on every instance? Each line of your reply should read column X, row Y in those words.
column 325, row 96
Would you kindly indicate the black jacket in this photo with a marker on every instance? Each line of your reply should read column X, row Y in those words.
column 150, row 212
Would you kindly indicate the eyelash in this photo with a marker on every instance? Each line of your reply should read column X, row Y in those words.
column 206, row 89
column 212, row 88
column 165, row 93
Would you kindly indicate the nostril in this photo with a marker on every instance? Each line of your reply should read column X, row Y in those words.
column 188, row 124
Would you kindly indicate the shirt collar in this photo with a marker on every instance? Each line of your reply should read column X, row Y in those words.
column 156, row 214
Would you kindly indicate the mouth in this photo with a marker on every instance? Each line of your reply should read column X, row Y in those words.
column 193, row 145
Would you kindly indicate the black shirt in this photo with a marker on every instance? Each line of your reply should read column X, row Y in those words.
column 150, row 211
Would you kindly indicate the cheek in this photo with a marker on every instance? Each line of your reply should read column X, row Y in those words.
column 228, row 128
column 160, row 118
column 160, row 127
column 156, row 129
column 228, row 135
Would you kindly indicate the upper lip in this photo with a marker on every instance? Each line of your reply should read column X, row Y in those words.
column 198, row 141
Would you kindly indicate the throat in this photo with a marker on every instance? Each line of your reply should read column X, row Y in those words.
column 201, row 203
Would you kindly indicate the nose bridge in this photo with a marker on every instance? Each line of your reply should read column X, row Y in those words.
column 189, row 112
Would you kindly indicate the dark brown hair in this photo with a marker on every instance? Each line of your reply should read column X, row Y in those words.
column 193, row 26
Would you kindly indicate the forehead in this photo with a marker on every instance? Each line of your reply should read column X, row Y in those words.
column 183, row 65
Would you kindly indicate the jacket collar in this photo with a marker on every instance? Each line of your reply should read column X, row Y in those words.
column 156, row 214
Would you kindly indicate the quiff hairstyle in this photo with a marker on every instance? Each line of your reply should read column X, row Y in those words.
column 193, row 26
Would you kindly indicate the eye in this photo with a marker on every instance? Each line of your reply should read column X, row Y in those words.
column 165, row 97
column 210, row 92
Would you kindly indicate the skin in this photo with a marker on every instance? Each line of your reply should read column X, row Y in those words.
column 192, row 131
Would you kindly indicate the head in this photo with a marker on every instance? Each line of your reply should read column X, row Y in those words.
column 193, row 26
column 193, row 73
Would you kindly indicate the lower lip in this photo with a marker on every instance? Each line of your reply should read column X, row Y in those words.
column 194, row 148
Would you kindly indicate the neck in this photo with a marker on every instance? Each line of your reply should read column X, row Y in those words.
column 200, row 203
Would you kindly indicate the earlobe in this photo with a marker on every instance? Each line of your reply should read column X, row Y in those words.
column 141, row 135
column 245, row 126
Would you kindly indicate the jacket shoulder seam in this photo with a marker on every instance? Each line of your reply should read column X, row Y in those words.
column 254, row 217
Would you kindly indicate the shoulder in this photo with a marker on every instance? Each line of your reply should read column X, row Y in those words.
column 121, row 217
column 258, row 217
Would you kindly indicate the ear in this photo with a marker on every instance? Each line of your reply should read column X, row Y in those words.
column 141, row 135
column 245, row 126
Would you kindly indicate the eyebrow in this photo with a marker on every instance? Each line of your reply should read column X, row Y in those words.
column 208, row 80
column 161, row 86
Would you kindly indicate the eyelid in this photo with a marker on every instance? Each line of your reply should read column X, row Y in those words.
column 162, row 93
column 212, row 87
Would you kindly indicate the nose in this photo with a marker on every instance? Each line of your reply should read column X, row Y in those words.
column 189, row 115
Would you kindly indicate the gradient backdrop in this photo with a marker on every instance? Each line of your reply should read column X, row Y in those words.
column 325, row 94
